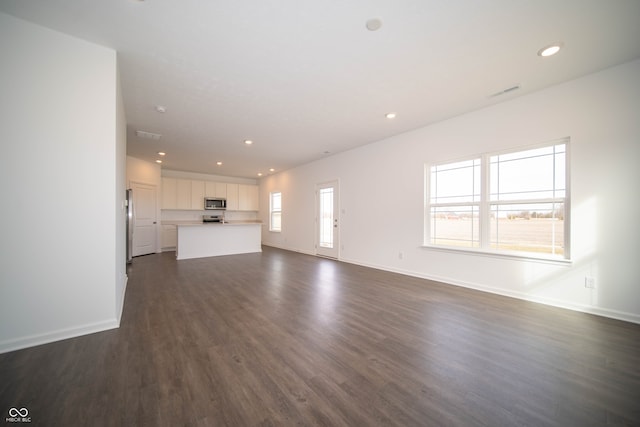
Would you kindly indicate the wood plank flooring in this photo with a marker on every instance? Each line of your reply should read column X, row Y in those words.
column 280, row 339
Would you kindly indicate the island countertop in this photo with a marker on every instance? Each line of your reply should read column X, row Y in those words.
column 198, row 239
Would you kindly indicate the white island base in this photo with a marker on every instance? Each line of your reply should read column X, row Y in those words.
column 215, row 239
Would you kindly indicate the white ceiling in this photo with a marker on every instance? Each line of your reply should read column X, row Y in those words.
column 303, row 78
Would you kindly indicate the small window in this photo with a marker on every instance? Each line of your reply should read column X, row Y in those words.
column 506, row 202
column 275, row 211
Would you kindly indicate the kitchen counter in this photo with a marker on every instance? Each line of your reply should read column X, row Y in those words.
column 199, row 240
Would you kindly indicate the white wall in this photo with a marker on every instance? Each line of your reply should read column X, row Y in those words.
column 61, row 162
column 121, row 211
column 601, row 115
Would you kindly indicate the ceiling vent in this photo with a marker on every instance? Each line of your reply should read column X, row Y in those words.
column 505, row 91
column 148, row 135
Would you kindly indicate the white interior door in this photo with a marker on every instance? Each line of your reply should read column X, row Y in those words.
column 327, row 227
column 145, row 220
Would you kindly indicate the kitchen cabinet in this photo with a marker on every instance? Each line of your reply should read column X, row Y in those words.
column 232, row 197
column 247, row 197
column 169, row 237
column 183, row 199
column 197, row 195
column 187, row 194
column 215, row 189
column 169, row 193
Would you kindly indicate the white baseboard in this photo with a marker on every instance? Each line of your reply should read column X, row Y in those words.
column 284, row 248
column 598, row 311
column 60, row 334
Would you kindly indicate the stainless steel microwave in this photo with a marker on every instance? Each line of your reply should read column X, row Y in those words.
column 215, row 203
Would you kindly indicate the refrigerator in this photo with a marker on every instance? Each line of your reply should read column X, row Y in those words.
column 130, row 223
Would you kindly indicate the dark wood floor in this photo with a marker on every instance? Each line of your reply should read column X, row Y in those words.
column 280, row 338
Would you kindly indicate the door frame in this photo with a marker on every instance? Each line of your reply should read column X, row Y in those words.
column 335, row 251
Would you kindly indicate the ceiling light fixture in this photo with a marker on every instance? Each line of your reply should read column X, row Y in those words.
column 272, row 170
column 550, row 50
column 161, row 153
column 148, row 135
column 390, row 115
column 374, row 24
column 248, row 141
column 219, row 163
column 158, row 161
column 259, row 173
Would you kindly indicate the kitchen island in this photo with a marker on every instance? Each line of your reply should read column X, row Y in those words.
column 199, row 240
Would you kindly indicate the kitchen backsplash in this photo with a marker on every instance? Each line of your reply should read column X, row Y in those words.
column 178, row 215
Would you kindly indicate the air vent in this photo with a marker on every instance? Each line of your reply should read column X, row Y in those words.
column 505, row 91
column 148, row 135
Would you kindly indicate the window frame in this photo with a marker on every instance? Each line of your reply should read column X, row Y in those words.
column 272, row 210
column 485, row 206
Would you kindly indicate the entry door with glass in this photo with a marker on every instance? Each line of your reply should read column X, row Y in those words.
column 327, row 235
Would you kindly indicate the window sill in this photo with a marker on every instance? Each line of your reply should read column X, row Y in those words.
column 501, row 255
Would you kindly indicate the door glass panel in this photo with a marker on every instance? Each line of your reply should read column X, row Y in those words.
column 326, row 217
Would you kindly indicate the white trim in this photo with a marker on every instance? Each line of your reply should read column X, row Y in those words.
column 524, row 256
column 300, row 251
column 60, row 334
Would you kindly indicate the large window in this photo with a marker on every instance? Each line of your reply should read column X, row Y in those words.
column 510, row 202
column 275, row 211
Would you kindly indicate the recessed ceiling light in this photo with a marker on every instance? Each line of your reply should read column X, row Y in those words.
column 219, row 163
column 259, row 173
column 248, row 141
column 272, row 170
column 158, row 161
column 161, row 153
column 390, row 115
column 550, row 50
column 161, row 109
column 374, row 24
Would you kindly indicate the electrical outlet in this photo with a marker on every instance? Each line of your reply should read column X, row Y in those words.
column 589, row 282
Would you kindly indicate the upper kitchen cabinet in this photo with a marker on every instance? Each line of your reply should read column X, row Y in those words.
column 242, row 197
column 233, row 202
column 215, row 189
column 169, row 193
column 197, row 195
column 248, row 197
column 184, row 194
column 176, row 193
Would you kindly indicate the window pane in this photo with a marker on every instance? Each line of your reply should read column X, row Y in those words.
column 531, row 174
column 535, row 227
column 456, row 182
column 276, row 221
column 459, row 227
column 276, row 201
column 276, row 212
column 326, row 218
